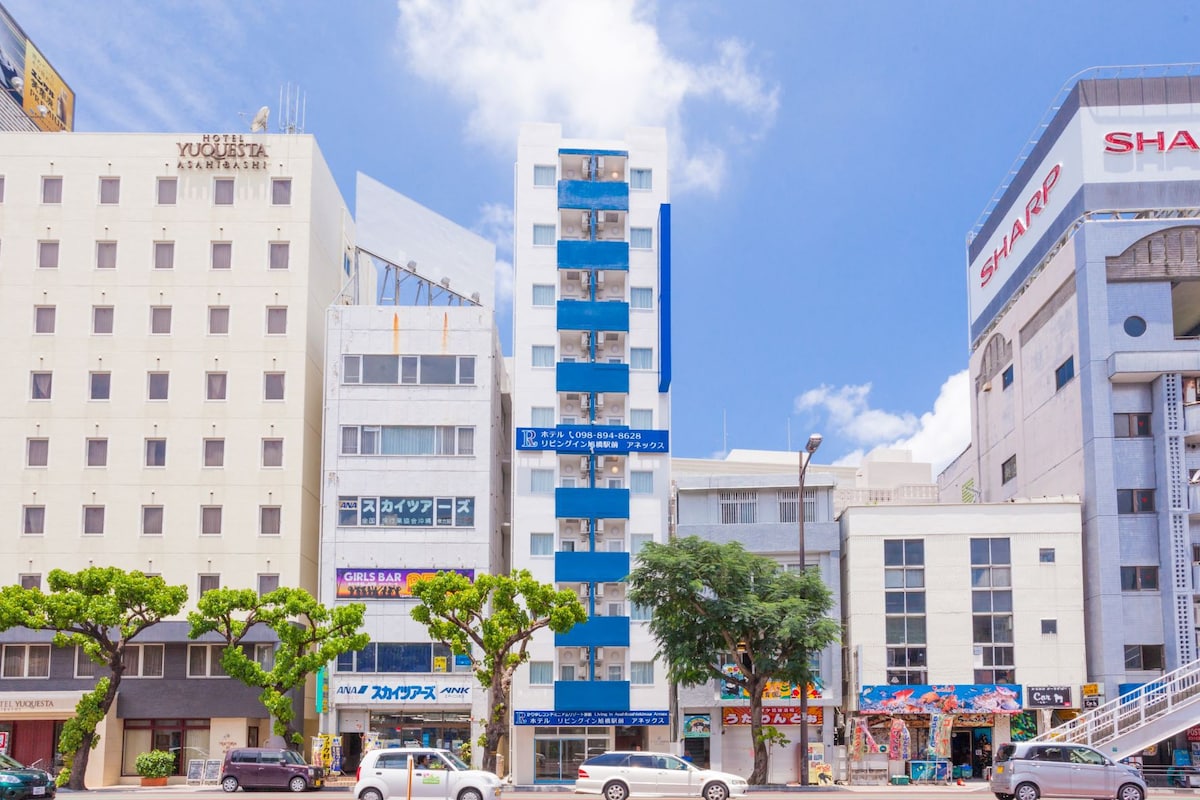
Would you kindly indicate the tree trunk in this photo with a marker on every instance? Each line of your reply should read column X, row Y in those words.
column 80, row 760
column 495, row 727
column 755, row 686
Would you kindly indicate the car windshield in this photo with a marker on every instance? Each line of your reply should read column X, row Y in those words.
column 8, row 762
column 457, row 762
column 292, row 757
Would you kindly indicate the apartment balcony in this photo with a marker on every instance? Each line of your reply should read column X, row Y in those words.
column 583, row 376
column 595, row 695
column 584, row 315
column 911, row 494
column 590, row 254
column 582, row 566
column 600, row 195
column 591, row 503
column 596, row 632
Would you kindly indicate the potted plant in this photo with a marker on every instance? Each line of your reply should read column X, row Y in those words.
column 154, row 766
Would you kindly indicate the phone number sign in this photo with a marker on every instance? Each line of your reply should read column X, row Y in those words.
column 593, row 439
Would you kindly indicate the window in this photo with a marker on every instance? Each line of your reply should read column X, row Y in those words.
column 641, row 238
column 26, row 661
column 281, row 191
column 143, row 660
column 1135, row 326
column 102, row 320
column 408, row 440
column 158, row 385
column 222, row 255
column 641, row 178
column 1139, row 579
column 204, row 660
column 164, row 255
column 210, row 520
column 99, row 385
column 541, row 481
column 110, row 191
column 543, row 355
column 1008, row 470
column 97, row 452
column 215, row 385
column 637, row 541
column 43, row 319
column 266, row 584
column 427, row 370
column 37, row 452
column 641, row 297
column 1137, row 656
column 84, row 666
column 992, row 609
column 208, row 582
column 1049, row 627
column 1006, row 377
column 1046, row 555
column 543, row 235
column 41, row 385
column 273, row 385
column 738, row 507
column 641, row 672
column 543, row 294
column 264, row 654
column 1135, row 501
column 789, row 505
column 1131, row 425
column 541, row 673
column 160, row 319
column 541, row 417
column 223, row 191
column 93, row 520
column 30, row 581
column 52, row 190
column 1064, row 373
column 272, row 452
column 541, row 544
column 566, row 672
column 218, row 320
column 156, row 452
column 167, row 191
column 641, row 482
column 641, row 358
column 33, row 519
column 106, row 255
column 277, row 320
column 641, row 418
column 279, row 255
column 214, row 452
column 269, row 518
column 616, row 672
column 639, row 613
column 152, row 520
column 544, row 175
column 48, row 255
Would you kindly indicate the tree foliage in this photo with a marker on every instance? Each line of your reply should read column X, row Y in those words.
column 707, row 599
column 492, row 621
column 98, row 609
column 310, row 636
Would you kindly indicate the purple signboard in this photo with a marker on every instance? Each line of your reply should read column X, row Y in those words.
column 385, row 584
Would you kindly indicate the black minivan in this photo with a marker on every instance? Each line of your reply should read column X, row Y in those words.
column 268, row 768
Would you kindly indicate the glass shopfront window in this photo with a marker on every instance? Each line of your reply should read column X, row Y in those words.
column 447, row 729
column 186, row 739
column 560, row 751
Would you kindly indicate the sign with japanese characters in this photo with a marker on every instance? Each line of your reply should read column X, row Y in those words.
column 401, row 512
column 545, row 718
column 593, row 439
column 436, row 692
column 772, row 715
column 354, row 583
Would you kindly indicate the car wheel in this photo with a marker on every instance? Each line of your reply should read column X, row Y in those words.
column 470, row 794
column 1026, row 791
column 229, row 783
column 297, row 784
column 716, row 791
column 370, row 794
column 1130, row 791
column 615, row 791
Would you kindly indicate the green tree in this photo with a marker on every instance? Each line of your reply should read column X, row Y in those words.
column 310, row 636
column 708, row 598
column 492, row 621
column 98, row 609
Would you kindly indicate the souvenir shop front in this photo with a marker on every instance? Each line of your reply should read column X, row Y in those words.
column 931, row 733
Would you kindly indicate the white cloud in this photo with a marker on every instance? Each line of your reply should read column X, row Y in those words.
column 496, row 225
column 936, row 436
column 598, row 67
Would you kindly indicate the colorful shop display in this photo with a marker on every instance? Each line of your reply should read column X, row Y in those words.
column 972, row 698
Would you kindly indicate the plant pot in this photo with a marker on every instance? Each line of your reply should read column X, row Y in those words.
column 154, row 781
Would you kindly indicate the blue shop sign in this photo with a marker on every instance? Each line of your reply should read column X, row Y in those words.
column 548, row 718
column 593, row 439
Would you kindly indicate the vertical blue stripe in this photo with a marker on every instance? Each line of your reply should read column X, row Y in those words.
column 664, row 297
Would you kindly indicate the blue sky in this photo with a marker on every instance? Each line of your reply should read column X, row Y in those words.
column 828, row 158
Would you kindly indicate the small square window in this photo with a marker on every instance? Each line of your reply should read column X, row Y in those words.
column 164, row 255
column 158, row 385
column 1008, row 470
column 52, row 190
column 215, row 385
column 543, row 294
column 214, row 452
column 168, row 189
column 1046, row 555
column 1006, row 377
column 37, row 452
column 272, row 452
column 160, row 319
column 33, row 520
column 43, row 319
column 281, row 191
column 102, row 320
column 48, row 255
column 93, row 520
column 641, row 358
column 273, row 385
column 279, row 255
column 41, row 385
column 641, row 238
column 208, row 583
column 267, row 584
column 543, row 235
column 106, row 255
column 544, row 175
column 222, row 255
column 1049, row 627
column 223, row 191
column 641, row 178
column 543, row 355
column 152, row 520
column 1064, row 373
column 268, row 520
column 30, row 581
column 641, row 297
column 99, row 385
column 277, row 320
column 97, row 452
column 156, row 452
column 110, row 191
column 210, row 520
column 218, row 320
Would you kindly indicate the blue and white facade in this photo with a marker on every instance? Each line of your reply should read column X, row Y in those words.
column 591, row 404
column 1084, row 283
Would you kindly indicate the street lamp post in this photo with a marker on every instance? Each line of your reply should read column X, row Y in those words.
column 806, row 455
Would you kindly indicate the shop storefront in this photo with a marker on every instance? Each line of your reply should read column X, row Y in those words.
column 555, row 743
column 31, row 723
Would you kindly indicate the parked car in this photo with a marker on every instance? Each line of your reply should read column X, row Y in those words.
column 18, row 782
column 1029, row 770
column 269, row 768
column 620, row 774
column 435, row 774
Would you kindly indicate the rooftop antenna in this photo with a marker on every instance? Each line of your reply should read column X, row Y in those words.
column 293, row 105
column 259, row 123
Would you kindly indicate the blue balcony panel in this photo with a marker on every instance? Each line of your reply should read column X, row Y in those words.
column 591, row 151
column 596, row 632
column 583, row 254
column 585, row 503
column 591, row 695
column 591, row 567
column 588, row 315
column 585, row 376
column 601, row 195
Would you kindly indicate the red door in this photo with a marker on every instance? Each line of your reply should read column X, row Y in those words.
column 33, row 739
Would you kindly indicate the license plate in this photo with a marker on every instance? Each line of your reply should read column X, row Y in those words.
column 39, row 790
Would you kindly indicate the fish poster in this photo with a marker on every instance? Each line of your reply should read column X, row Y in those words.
column 965, row 698
column 899, row 741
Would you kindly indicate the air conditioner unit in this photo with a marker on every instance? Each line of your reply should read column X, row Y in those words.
column 583, row 592
column 599, row 653
column 599, row 400
column 599, row 163
column 600, row 274
column 599, row 526
column 584, row 654
column 583, row 340
column 585, row 219
column 583, row 277
column 600, row 334
column 599, row 590
column 569, row 654
column 569, row 530
column 583, row 464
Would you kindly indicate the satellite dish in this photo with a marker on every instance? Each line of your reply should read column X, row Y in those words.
column 259, row 122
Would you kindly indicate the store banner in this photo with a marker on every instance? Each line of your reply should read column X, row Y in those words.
column 697, row 726
column 355, row 583
column 968, row 698
column 774, row 690
column 1048, row 696
column 772, row 715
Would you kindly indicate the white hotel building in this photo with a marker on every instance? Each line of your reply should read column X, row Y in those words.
column 591, row 405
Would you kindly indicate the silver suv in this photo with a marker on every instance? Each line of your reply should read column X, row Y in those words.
column 433, row 773
column 1029, row 770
